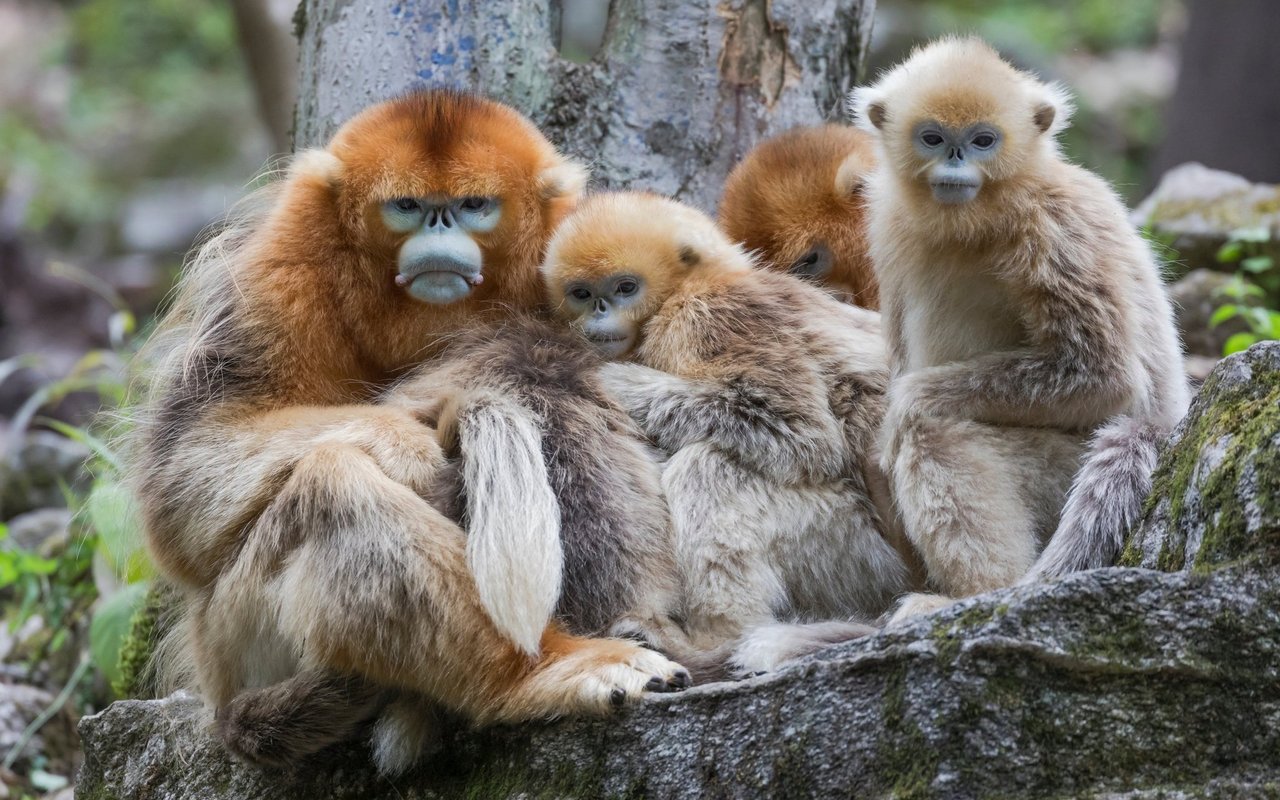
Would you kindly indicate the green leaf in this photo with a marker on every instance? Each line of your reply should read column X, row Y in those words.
column 1241, row 341
column 110, row 626
column 1275, row 325
column 1223, row 314
column 75, row 434
column 111, row 515
column 1257, row 264
column 1229, row 252
column 1259, row 320
column 46, row 781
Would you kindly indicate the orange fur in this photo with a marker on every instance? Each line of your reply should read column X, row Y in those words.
column 801, row 189
column 294, row 512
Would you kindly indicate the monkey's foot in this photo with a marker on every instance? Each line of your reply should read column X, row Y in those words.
column 765, row 648
column 914, row 605
column 593, row 676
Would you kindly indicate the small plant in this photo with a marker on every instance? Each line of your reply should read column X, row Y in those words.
column 1255, row 285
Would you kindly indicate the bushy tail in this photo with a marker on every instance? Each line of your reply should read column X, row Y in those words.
column 1105, row 499
column 512, row 517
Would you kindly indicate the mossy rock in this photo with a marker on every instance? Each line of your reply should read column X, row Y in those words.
column 1113, row 683
column 148, row 627
column 1216, row 495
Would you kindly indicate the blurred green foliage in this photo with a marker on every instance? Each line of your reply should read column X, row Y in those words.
column 1092, row 25
column 126, row 90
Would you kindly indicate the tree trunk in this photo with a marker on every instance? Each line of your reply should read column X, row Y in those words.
column 678, row 92
column 1225, row 112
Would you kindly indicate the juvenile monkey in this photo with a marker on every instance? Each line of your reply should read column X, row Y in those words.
column 797, row 201
column 766, row 393
column 298, row 516
column 1033, row 352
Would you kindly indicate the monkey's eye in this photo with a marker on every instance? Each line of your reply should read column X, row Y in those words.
column 931, row 139
column 580, row 293
column 984, row 141
column 475, row 203
column 406, row 204
column 626, row 287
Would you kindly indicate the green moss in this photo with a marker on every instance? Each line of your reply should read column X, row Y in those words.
column 1242, row 420
column 905, row 761
column 147, row 628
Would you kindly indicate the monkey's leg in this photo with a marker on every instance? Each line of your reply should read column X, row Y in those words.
column 376, row 583
column 724, row 539
column 279, row 725
column 968, row 494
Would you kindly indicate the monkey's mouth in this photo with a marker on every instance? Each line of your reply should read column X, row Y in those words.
column 606, row 338
column 471, row 279
column 953, row 191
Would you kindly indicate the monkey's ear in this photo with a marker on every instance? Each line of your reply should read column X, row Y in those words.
column 319, row 166
column 1045, row 112
column 689, row 255
column 1054, row 110
column 565, row 179
column 867, row 109
column 851, row 176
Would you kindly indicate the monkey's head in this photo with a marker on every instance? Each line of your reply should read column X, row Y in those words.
column 955, row 117
column 797, row 200
column 443, row 191
column 615, row 260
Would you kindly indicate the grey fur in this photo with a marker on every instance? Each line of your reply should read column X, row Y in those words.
column 1105, row 499
column 618, row 572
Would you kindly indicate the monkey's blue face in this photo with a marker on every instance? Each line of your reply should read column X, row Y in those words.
column 955, row 157
column 440, row 262
column 604, row 311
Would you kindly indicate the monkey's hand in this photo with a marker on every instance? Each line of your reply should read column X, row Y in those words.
column 644, row 393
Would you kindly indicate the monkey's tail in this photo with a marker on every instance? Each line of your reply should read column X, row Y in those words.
column 1105, row 499
column 511, row 515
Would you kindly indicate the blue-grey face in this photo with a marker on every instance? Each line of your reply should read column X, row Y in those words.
column 440, row 262
column 954, row 175
column 600, row 311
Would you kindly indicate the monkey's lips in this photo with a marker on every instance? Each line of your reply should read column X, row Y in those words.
column 954, row 192
column 606, row 338
column 439, row 284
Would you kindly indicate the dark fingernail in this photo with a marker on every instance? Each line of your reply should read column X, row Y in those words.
column 655, row 684
column 682, row 679
column 618, row 697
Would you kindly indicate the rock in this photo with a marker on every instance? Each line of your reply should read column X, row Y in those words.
column 1216, row 497
column 36, row 475
column 1199, row 208
column 1196, row 296
column 1113, row 683
column 33, row 530
column 56, row 742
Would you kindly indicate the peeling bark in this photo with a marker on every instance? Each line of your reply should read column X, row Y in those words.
column 678, row 92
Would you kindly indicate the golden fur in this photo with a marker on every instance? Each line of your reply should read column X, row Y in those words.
column 1019, row 324
column 293, row 512
column 766, row 393
column 804, row 189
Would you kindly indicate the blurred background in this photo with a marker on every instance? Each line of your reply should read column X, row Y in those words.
column 127, row 126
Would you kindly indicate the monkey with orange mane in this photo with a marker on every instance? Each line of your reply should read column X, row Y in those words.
column 300, row 519
column 796, row 200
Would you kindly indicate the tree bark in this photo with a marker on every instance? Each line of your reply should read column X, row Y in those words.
column 679, row 91
column 1225, row 111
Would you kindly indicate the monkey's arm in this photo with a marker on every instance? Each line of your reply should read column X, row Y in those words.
column 1076, row 371
column 202, row 483
column 775, row 422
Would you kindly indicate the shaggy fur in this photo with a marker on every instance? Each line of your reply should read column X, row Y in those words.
column 1018, row 323
column 294, row 513
column 603, row 479
column 766, row 393
column 802, row 192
